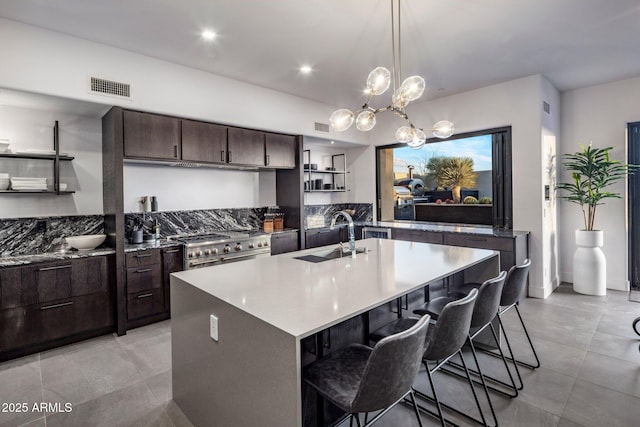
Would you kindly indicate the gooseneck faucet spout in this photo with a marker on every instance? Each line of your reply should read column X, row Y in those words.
column 352, row 234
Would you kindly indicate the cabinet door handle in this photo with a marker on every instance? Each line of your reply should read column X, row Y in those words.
column 477, row 239
column 48, row 307
column 172, row 251
column 175, row 151
column 144, row 270
column 145, row 295
column 142, row 256
column 57, row 267
column 222, row 155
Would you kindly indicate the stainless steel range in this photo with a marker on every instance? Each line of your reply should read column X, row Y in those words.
column 204, row 250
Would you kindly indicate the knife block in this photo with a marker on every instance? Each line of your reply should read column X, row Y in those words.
column 267, row 225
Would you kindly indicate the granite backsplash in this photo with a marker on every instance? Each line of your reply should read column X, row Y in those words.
column 28, row 236
column 320, row 215
column 198, row 221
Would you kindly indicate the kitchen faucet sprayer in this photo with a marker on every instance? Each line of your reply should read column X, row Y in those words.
column 352, row 234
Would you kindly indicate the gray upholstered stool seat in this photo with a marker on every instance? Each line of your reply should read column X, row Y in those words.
column 434, row 307
column 359, row 379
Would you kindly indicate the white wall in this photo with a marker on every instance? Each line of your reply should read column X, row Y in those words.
column 599, row 114
column 516, row 103
column 80, row 136
column 55, row 64
column 550, row 135
column 51, row 63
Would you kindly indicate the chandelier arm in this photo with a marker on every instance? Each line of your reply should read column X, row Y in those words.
column 399, row 45
column 393, row 49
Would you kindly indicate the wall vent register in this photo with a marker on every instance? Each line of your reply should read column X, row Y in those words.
column 110, row 87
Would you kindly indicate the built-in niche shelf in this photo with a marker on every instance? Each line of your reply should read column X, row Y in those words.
column 314, row 178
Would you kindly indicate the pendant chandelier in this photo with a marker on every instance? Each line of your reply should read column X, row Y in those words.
column 378, row 82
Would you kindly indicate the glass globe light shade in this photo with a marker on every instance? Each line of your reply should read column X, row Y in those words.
column 418, row 138
column 412, row 88
column 341, row 119
column 398, row 100
column 404, row 134
column 365, row 120
column 378, row 81
column 443, row 129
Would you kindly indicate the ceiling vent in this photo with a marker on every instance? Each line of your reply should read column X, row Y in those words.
column 110, row 88
column 322, row 127
column 186, row 165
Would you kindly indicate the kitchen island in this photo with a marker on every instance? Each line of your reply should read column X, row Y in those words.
column 265, row 307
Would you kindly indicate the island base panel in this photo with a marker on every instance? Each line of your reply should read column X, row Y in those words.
column 249, row 377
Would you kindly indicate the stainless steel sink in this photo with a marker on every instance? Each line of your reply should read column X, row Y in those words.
column 329, row 254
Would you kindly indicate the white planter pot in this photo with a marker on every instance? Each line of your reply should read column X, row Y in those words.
column 589, row 263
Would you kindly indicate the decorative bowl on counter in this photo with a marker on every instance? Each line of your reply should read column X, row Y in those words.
column 4, row 145
column 86, row 242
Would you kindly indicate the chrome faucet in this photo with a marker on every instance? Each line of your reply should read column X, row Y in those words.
column 352, row 234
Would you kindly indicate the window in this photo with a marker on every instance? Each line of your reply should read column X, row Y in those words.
column 465, row 179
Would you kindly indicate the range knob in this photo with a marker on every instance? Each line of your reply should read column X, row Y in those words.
column 190, row 254
column 238, row 247
column 251, row 246
column 199, row 253
column 227, row 249
column 265, row 244
column 214, row 251
column 259, row 244
column 207, row 252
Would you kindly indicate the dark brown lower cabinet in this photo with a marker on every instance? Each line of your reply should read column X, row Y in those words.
column 325, row 236
column 284, row 242
column 148, row 284
column 50, row 304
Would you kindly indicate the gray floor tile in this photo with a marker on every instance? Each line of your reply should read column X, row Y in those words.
column 139, row 335
column 176, row 415
column 160, row 386
column 151, row 356
column 612, row 373
column 132, row 406
column 595, row 406
column 20, row 382
column 546, row 389
column 40, row 422
column 616, row 346
column 516, row 413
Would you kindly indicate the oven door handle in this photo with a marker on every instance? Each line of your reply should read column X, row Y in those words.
column 245, row 255
column 204, row 261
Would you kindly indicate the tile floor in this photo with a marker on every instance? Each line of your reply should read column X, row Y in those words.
column 590, row 374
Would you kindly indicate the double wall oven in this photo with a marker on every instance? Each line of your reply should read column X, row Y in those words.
column 207, row 249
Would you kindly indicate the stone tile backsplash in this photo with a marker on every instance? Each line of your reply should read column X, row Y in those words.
column 27, row 236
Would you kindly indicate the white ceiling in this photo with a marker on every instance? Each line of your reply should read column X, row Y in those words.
column 456, row 45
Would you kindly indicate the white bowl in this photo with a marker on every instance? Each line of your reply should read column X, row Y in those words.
column 4, row 183
column 86, row 242
column 4, row 145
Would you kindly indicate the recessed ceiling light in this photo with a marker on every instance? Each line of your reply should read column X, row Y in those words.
column 208, row 35
column 333, row 142
column 306, row 69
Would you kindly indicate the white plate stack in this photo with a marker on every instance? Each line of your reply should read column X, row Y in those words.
column 4, row 181
column 26, row 183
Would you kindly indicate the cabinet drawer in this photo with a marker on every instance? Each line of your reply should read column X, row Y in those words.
column 140, row 258
column 284, row 242
column 417, row 236
column 481, row 242
column 145, row 303
column 144, row 278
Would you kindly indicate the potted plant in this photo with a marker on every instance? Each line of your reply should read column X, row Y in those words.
column 592, row 172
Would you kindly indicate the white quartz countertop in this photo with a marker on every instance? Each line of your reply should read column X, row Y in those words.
column 301, row 298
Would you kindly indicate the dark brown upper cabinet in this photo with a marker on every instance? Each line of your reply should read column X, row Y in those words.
column 204, row 142
column 245, row 147
column 280, row 150
column 151, row 136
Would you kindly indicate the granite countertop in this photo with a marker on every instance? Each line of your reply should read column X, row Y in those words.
column 301, row 297
column 445, row 228
column 10, row 261
column 151, row 244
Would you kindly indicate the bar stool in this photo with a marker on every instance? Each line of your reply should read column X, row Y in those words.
column 445, row 339
column 514, row 289
column 359, row 379
column 484, row 311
